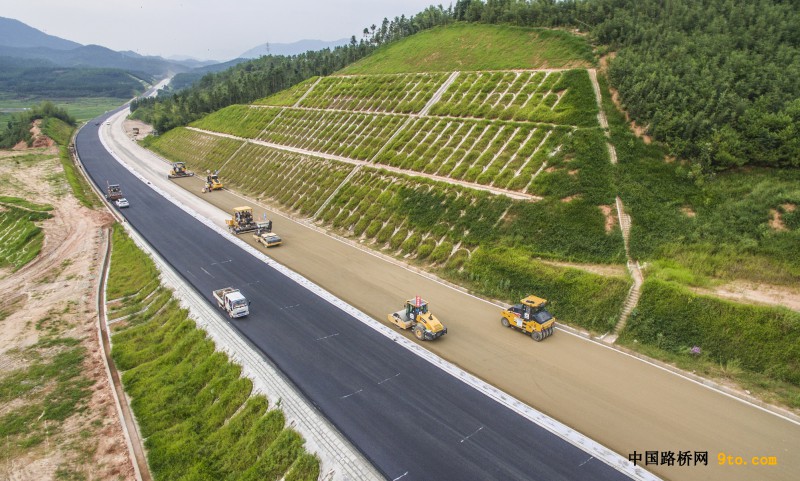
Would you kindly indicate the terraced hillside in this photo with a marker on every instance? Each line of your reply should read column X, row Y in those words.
column 409, row 134
column 432, row 165
column 493, row 170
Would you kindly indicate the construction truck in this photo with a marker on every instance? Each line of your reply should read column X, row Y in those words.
column 242, row 220
column 113, row 191
column 212, row 182
column 179, row 170
column 232, row 301
column 530, row 317
column 415, row 316
column 265, row 236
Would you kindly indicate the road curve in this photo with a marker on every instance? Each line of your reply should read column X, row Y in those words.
column 412, row 420
column 622, row 402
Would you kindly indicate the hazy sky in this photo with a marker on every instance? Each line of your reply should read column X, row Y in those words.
column 204, row 29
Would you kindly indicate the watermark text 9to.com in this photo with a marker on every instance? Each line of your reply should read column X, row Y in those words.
column 728, row 460
column 697, row 458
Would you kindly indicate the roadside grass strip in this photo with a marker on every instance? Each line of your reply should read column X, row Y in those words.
column 755, row 345
column 20, row 238
column 197, row 413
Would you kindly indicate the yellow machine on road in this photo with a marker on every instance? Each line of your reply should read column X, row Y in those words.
column 265, row 236
column 242, row 220
column 415, row 316
column 212, row 182
column 179, row 170
column 530, row 317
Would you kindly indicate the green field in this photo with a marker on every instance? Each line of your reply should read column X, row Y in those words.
column 81, row 109
column 199, row 417
column 470, row 47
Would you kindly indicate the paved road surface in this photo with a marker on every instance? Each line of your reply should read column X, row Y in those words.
column 413, row 421
column 617, row 400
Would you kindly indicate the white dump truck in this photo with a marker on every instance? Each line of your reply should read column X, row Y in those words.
column 232, row 301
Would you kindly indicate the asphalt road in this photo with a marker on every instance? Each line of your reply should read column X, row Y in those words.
column 624, row 403
column 411, row 420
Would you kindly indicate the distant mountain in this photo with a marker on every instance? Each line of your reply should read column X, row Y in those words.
column 14, row 33
column 301, row 46
column 21, row 41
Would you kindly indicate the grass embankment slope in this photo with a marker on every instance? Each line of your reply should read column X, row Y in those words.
column 477, row 47
column 198, row 415
column 531, row 133
column 534, row 132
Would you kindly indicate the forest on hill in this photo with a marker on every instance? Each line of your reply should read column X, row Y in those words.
column 713, row 79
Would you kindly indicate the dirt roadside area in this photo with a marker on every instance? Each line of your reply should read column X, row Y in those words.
column 56, row 300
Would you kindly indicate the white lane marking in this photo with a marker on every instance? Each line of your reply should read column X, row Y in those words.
column 590, row 458
column 207, row 272
column 351, row 394
column 401, row 476
column 326, row 337
column 290, row 307
column 222, row 262
column 473, row 434
column 389, row 378
column 707, row 384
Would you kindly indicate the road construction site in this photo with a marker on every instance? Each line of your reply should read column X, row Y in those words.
column 625, row 403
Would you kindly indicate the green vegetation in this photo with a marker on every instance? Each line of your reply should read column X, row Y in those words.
column 240, row 120
column 80, row 108
column 588, row 300
column 467, row 47
column 198, row 415
column 383, row 93
column 31, row 79
column 200, row 151
column 265, row 76
column 62, row 134
column 714, row 79
column 19, row 128
column 289, row 96
column 697, row 229
column 22, row 238
column 296, row 182
column 760, row 340
column 51, row 388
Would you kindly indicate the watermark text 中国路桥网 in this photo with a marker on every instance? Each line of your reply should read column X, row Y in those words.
column 696, row 458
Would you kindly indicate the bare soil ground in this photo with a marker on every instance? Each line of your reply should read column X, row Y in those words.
column 136, row 129
column 752, row 293
column 60, row 284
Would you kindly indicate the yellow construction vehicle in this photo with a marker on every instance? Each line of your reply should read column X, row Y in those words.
column 212, row 182
column 179, row 170
column 265, row 236
column 242, row 220
column 530, row 317
column 415, row 316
